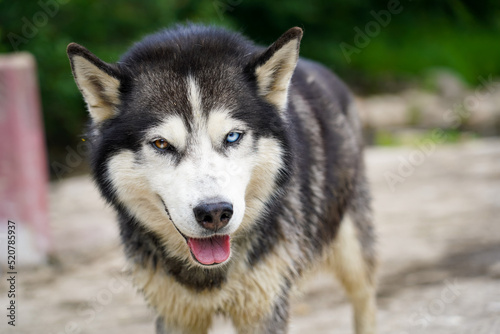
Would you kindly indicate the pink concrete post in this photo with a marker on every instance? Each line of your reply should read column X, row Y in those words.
column 23, row 161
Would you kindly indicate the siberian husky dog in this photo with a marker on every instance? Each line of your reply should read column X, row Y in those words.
column 234, row 170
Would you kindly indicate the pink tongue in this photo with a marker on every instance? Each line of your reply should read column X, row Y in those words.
column 211, row 250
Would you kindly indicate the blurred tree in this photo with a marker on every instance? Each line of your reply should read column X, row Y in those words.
column 460, row 35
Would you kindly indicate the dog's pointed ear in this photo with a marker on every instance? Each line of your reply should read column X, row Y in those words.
column 97, row 80
column 274, row 67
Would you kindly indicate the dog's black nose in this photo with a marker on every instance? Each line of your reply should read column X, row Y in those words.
column 213, row 216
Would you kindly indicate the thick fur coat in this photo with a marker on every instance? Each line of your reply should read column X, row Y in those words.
column 234, row 170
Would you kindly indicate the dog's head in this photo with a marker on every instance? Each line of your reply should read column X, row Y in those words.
column 187, row 132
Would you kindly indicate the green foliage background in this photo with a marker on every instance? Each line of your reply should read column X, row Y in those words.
column 461, row 35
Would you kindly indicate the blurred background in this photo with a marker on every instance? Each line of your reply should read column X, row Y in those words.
column 460, row 36
column 426, row 75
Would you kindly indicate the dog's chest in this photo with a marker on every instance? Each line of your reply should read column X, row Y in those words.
column 244, row 295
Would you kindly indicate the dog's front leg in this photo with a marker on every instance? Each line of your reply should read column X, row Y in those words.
column 163, row 328
column 274, row 323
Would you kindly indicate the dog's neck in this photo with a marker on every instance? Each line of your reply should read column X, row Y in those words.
column 146, row 250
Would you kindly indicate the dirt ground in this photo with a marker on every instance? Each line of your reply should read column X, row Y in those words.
column 438, row 222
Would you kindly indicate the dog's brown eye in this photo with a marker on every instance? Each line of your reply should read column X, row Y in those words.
column 161, row 144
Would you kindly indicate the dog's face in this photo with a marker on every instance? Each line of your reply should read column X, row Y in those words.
column 207, row 162
column 183, row 139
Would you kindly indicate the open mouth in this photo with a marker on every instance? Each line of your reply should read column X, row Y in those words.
column 209, row 251
column 206, row 251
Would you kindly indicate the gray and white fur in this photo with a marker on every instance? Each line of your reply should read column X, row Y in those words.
column 289, row 192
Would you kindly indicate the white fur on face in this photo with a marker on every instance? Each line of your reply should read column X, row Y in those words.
column 202, row 171
column 204, row 174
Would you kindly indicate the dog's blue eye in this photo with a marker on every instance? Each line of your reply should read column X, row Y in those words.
column 233, row 137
